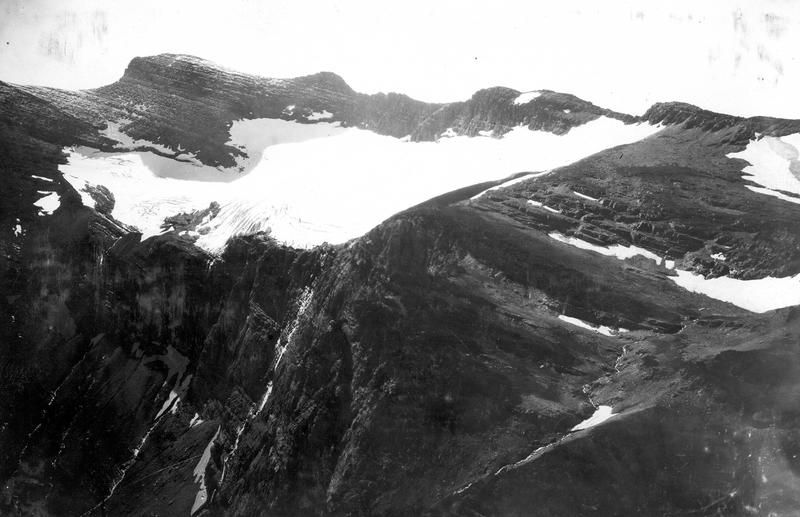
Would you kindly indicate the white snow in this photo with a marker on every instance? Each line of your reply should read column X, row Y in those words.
column 584, row 196
column 17, row 229
column 617, row 250
column 526, row 97
column 167, row 403
column 41, row 178
column 196, row 420
column 281, row 345
column 718, row 256
column 511, row 182
column 773, row 193
column 448, row 133
column 759, row 295
column 486, row 132
column 49, row 203
column 602, row 329
column 239, row 431
column 311, row 183
column 283, row 342
column 200, row 475
column 527, row 459
column 264, row 398
column 540, row 205
column 601, row 414
column 324, row 114
column 174, row 397
column 669, row 264
column 774, row 164
column 566, row 110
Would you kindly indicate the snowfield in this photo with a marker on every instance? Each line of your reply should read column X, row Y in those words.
column 774, row 164
column 601, row 414
column 761, row 295
column 312, row 183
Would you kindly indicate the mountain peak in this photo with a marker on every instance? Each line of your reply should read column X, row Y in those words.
column 326, row 80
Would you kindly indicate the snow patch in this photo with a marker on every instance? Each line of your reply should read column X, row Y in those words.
column 545, row 207
column 41, row 178
column 49, row 203
column 510, row 183
column 448, row 133
column 759, row 295
column 200, row 475
column 321, row 115
column 773, row 193
column 174, row 397
column 264, row 398
column 584, row 196
column 617, row 250
column 486, row 132
column 718, row 256
column 566, row 110
column 17, row 229
column 527, row 459
column 774, row 164
column 195, row 421
column 601, row 414
column 602, row 329
column 526, row 97
column 167, row 403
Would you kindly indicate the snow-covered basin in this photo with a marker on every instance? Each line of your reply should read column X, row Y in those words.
column 311, row 183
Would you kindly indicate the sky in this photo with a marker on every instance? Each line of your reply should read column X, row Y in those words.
column 733, row 56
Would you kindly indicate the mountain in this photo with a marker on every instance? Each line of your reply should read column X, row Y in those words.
column 519, row 304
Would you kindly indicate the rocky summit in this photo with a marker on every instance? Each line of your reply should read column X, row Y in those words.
column 554, row 309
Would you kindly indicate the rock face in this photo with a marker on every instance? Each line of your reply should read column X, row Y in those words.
column 435, row 366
